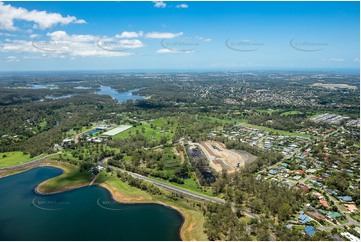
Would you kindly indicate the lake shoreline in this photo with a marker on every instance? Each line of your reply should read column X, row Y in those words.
column 115, row 196
column 118, row 196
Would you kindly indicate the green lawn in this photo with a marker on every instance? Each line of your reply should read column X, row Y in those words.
column 191, row 183
column 246, row 219
column 356, row 216
column 294, row 112
column 126, row 189
column 171, row 160
column 153, row 130
column 65, row 155
column 298, row 227
column 213, row 119
column 43, row 124
column 14, row 158
column 71, row 178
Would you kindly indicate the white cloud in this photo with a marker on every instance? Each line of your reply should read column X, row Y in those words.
column 204, row 39
column 129, row 35
column 33, row 36
column 42, row 19
column 63, row 36
column 62, row 45
column 111, row 45
column 130, row 44
column 80, row 21
column 356, row 59
column 183, row 5
column 158, row 35
column 169, row 51
column 5, row 34
column 159, row 4
column 11, row 59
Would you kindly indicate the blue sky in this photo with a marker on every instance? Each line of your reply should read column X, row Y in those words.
column 178, row 35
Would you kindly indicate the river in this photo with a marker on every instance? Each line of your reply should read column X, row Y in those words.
column 87, row 213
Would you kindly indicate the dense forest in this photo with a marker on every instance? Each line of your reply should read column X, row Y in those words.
column 35, row 127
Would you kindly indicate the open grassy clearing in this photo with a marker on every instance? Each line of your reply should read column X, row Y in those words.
column 43, row 124
column 14, row 158
column 269, row 111
column 72, row 178
column 129, row 193
column 293, row 112
column 151, row 131
column 298, row 227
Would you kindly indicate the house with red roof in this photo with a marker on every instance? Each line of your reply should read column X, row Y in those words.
column 324, row 203
column 300, row 172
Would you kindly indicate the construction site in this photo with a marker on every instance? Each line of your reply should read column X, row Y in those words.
column 220, row 158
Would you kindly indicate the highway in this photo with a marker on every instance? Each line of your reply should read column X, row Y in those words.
column 170, row 187
column 26, row 165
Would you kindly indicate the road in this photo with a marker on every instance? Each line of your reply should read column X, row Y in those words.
column 350, row 221
column 25, row 165
column 170, row 187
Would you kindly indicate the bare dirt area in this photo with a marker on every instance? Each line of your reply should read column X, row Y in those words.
column 222, row 158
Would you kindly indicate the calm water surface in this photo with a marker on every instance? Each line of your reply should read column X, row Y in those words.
column 87, row 213
column 120, row 96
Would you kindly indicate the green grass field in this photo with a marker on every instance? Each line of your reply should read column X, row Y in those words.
column 298, row 227
column 268, row 111
column 294, row 112
column 43, row 124
column 148, row 133
column 153, row 130
column 126, row 189
column 70, row 179
column 14, row 158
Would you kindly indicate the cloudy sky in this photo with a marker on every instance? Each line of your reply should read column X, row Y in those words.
column 178, row 35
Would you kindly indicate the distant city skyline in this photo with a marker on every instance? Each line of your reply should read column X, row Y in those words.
column 151, row 36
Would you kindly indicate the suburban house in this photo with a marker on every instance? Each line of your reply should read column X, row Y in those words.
column 346, row 199
column 310, row 230
column 304, row 219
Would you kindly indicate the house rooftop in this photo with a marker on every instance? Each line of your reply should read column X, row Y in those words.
column 324, row 203
column 333, row 215
column 310, row 230
column 304, row 219
column 345, row 198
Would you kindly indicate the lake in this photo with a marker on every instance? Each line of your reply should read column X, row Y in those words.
column 120, row 96
column 87, row 213
column 43, row 86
